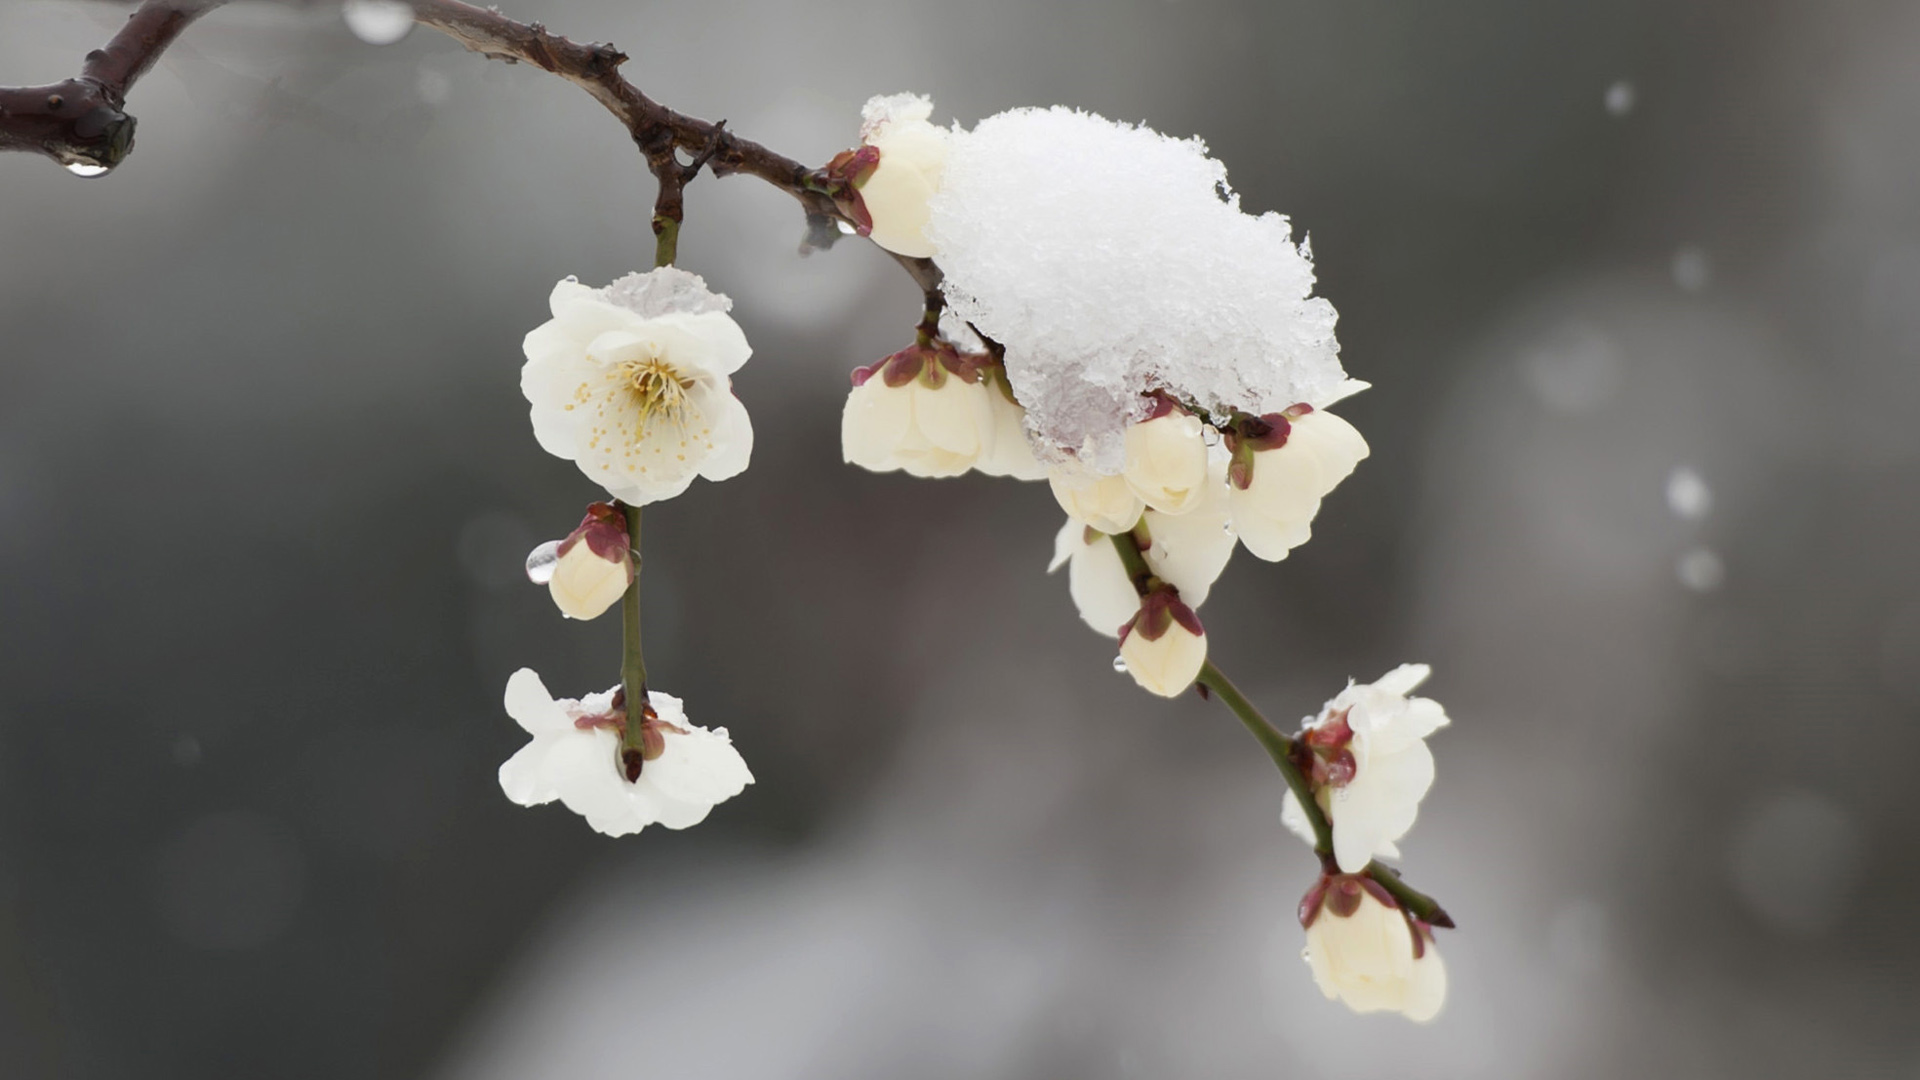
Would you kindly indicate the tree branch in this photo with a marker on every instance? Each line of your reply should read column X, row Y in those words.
column 82, row 123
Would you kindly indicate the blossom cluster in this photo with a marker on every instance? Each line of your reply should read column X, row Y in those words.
column 1172, row 385
column 632, row 383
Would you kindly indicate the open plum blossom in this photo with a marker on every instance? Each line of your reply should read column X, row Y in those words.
column 1365, row 951
column 1284, row 464
column 926, row 409
column 1369, row 765
column 576, row 756
column 1187, row 551
column 895, row 172
column 632, row 384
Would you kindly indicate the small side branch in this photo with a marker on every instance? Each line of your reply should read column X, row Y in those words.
column 83, row 121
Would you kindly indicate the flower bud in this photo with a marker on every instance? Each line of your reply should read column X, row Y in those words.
column 1105, row 503
column 1164, row 645
column 894, row 182
column 1166, row 460
column 595, row 566
column 924, row 410
column 1365, row 951
column 1283, row 465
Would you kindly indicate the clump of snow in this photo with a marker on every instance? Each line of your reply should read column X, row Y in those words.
column 880, row 113
column 1112, row 260
column 663, row 291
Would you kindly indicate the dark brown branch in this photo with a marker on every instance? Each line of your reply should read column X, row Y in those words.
column 83, row 121
column 657, row 130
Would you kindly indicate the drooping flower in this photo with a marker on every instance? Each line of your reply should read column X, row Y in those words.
column 1104, row 503
column 894, row 173
column 632, row 383
column 925, row 410
column 1370, row 765
column 1284, row 464
column 1166, row 459
column 1164, row 645
column 1365, row 951
column 594, row 564
column 578, row 757
column 1187, row 551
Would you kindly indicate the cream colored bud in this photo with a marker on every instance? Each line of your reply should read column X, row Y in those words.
column 1164, row 646
column 1104, row 502
column 584, row 584
column 913, row 158
column 1274, row 513
column 1166, row 462
column 1367, row 960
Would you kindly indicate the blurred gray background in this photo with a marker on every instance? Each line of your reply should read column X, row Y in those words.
column 1638, row 285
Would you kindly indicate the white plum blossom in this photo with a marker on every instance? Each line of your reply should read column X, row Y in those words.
column 1166, row 460
column 897, row 172
column 1284, row 464
column 1366, row 952
column 577, row 757
column 1104, row 503
column 1371, row 765
column 925, row 410
column 1187, row 551
column 1163, row 645
column 632, row 383
column 594, row 565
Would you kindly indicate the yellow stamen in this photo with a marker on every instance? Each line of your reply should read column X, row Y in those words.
column 658, row 390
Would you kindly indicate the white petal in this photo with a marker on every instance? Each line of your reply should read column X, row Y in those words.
column 700, row 767
column 875, row 421
column 1065, row 543
column 956, row 417
column 1404, row 679
column 532, row 706
column 1098, row 582
column 1166, row 462
column 1295, row 819
column 708, row 343
column 524, row 776
column 732, row 442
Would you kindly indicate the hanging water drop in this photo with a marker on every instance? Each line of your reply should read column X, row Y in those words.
column 87, row 168
column 541, row 560
column 846, row 228
column 378, row 22
column 1120, row 664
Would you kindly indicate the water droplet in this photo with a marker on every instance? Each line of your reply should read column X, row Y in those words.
column 1688, row 496
column 1701, row 570
column 1227, row 527
column 1120, row 664
column 1620, row 98
column 846, row 228
column 1692, row 270
column 378, row 22
column 541, row 560
column 87, row 168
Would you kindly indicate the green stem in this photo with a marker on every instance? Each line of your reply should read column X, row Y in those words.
column 666, row 239
column 633, row 665
column 1279, row 747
